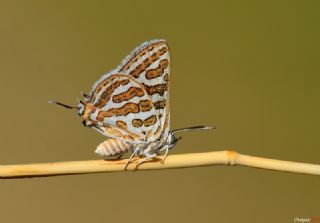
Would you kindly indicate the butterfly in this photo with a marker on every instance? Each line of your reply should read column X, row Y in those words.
column 130, row 105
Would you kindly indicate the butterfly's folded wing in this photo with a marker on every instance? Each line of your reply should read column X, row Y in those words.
column 143, row 79
column 122, row 109
column 149, row 64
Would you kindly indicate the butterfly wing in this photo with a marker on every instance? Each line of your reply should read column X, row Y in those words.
column 149, row 64
column 120, row 107
column 147, row 69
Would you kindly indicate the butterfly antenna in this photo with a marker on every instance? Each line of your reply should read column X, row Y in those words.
column 194, row 128
column 61, row 104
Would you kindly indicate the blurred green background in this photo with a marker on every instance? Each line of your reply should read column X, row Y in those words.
column 249, row 67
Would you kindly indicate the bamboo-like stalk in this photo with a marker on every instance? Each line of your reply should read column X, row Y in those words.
column 173, row 161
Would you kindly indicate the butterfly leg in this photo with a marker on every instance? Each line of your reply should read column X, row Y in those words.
column 166, row 148
column 134, row 153
column 146, row 159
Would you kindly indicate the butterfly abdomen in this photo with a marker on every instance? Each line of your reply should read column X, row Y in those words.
column 112, row 147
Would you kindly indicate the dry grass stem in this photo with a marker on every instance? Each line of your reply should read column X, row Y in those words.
column 172, row 162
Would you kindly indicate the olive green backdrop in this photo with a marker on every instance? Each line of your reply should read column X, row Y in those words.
column 249, row 67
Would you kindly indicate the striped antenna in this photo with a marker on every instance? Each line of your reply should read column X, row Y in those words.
column 61, row 104
column 194, row 128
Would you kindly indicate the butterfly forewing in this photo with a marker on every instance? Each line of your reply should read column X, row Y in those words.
column 131, row 103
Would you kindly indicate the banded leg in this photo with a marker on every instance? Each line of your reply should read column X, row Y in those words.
column 149, row 153
column 134, row 153
column 146, row 159
column 166, row 148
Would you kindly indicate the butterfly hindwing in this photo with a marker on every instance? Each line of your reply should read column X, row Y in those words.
column 121, row 108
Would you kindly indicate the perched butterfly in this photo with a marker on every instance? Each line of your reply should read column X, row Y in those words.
column 130, row 105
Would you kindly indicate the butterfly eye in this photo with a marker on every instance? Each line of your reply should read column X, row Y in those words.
column 87, row 123
column 80, row 108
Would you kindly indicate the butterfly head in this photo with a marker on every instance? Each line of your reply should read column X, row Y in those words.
column 82, row 107
column 84, row 111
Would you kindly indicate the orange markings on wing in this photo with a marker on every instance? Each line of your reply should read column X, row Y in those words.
column 124, row 82
column 128, row 138
column 124, row 110
column 145, row 105
column 157, row 72
column 105, row 96
column 137, row 123
column 130, row 93
column 157, row 131
column 135, row 58
column 140, row 68
column 160, row 104
column 163, row 51
column 147, row 62
column 166, row 122
column 166, row 78
column 149, row 133
column 159, row 88
column 114, row 132
column 107, row 92
column 121, row 124
column 150, row 121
